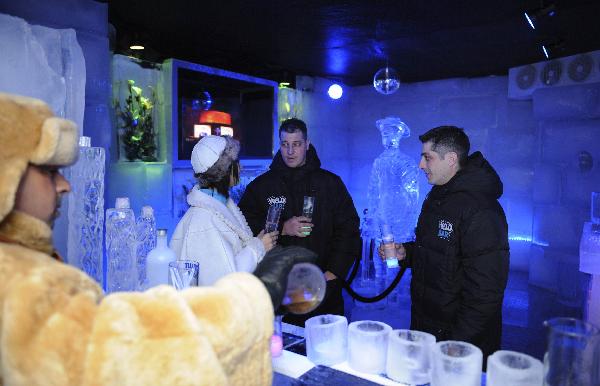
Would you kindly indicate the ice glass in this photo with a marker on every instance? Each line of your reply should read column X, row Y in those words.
column 409, row 357
column 367, row 346
column 183, row 274
column 511, row 368
column 273, row 214
column 572, row 355
column 456, row 363
column 326, row 339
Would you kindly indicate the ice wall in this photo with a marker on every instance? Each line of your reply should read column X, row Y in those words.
column 53, row 35
column 541, row 149
column 328, row 122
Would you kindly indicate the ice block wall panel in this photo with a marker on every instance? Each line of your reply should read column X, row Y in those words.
column 556, row 226
column 543, row 268
column 546, row 184
column 562, row 141
column 574, row 102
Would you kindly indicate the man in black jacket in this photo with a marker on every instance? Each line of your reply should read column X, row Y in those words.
column 332, row 232
column 460, row 256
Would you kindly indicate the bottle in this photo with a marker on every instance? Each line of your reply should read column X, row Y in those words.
column 157, row 262
column 146, row 241
column 86, row 210
column 121, row 270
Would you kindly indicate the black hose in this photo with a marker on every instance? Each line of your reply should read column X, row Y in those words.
column 382, row 295
column 379, row 297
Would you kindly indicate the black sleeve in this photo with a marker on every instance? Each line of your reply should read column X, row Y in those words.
column 409, row 247
column 346, row 241
column 485, row 260
column 253, row 209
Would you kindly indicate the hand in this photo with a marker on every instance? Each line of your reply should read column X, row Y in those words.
column 269, row 240
column 298, row 226
column 398, row 248
column 275, row 267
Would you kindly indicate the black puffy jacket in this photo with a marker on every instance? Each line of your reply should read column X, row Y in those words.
column 460, row 259
column 335, row 237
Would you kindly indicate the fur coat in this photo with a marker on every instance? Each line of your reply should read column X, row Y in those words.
column 56, row 328
column 217, row 236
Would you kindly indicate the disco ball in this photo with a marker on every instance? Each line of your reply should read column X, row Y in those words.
column 386, row 81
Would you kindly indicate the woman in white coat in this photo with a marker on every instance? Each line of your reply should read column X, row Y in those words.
column 213, row 231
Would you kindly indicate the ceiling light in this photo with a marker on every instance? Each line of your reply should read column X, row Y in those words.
column 545, row 52
column 136, row 47
column 553, row 48
column 335, row 91
column 534, row 15
column 386, row 81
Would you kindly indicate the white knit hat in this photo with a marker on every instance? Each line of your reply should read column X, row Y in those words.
column 206, row 152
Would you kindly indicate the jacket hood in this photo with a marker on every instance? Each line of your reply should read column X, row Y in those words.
column 312, row 162
column 478, row 176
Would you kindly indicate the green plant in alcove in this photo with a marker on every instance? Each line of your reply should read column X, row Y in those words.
column 136, row 125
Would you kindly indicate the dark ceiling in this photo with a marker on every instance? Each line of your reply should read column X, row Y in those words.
column 349, row 40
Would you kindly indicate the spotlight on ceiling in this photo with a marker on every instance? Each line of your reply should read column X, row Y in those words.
column 335, row 91
column 535, row 15
column 136, row 47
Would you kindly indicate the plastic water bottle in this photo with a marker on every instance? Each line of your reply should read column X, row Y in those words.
column 157, row 262
column 121, row 271
column 146, row 241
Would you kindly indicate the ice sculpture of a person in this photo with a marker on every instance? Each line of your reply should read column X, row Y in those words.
column 393, row 193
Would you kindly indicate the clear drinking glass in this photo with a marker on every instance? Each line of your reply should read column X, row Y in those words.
column 389, row 247
column 572, row 355
column 183, row 274
column 326, row 339
column 307, row 211
column 409, row 356
column 456, row 363
column 305, row 290
column 367, row 346
column 308, row 206
column 273, row 214
column 511, row 368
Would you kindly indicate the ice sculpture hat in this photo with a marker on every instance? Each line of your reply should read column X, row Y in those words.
column 214, row 154
column 30, row 133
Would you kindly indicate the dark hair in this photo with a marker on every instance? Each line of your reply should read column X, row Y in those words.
column 221, row 183
column 292, row 125
column 448, row 138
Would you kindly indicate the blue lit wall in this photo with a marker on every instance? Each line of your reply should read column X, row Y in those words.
column 534, row 144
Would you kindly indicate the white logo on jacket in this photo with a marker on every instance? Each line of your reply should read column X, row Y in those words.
column 281, row 200
column 445, row 229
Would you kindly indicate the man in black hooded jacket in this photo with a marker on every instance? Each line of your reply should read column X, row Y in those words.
column 332, row 232
column 460, row 256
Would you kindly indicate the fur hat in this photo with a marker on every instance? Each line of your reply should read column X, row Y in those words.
column 29, row 133
column 212, row 156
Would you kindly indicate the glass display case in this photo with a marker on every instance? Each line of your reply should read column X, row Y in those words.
column 206, row 100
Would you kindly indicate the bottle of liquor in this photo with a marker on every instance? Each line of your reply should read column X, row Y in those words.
column 146, row 241
column 121, row 271
column 157, row 262
column 86, row 210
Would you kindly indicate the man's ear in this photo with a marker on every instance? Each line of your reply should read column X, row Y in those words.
column 452, row 158
column 307, row 143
